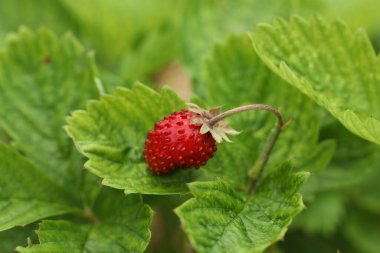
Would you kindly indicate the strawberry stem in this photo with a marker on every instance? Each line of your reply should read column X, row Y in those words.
column 257, row 170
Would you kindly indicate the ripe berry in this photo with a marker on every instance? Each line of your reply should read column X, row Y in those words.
column 185, row 139
column 176, row 143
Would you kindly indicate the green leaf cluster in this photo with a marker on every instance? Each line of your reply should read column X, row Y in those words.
column 219, row 219
column 322, row 75
column 259, row 85
column 336, row 68
column 341, row 74
column 111, row 134
column 42, row 78
column 135, row 31
column 120, row 226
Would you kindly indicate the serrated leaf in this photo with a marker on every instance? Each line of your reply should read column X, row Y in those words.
column 112, row 132
column 27, row 194
column 220, row 219
column 234, row 76
column 42, row 78
column 329, row 63
column 123, row 227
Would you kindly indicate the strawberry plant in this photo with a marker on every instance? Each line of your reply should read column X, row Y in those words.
column 96, row 157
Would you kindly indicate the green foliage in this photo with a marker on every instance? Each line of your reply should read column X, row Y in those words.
column 355, row 13
column 225, row 83
column 329, row 63
column 125, row 25
column 323, row 215
column 10, row 238
column 363, row 230
column 205, row 23
column 48, row 81
column 37, row 69
column 48, row 13
column 219, row 219
column 133, row 36
column 112, row 131
column 348, row 166
column 117, row 228
column 297, row 241
column 365, row 193
column 3, row 136
column 336, row 68
column 22, row 200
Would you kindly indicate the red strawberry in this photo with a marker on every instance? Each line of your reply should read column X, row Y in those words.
column 183, row 140
column 175, row 143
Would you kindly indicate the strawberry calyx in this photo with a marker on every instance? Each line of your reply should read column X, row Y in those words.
column 203, row 118
column 213, row 121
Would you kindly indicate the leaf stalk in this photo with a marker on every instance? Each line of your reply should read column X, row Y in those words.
column 256, row 172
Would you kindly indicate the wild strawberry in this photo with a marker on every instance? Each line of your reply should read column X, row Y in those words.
column 184, row 140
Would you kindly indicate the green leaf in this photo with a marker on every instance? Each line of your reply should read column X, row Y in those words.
column 136, row 32
column 49, row 13
column 329, row 63
column 204, row 23
column 323, row 215
column 355, row 13
column 99, row 23
column 233, row 76
column 220, row 219
column 27, row 194
column 348, row 165
column 3, row 136
column 123, row 227
column 297, row 241
column 11, row 238
column 42, row 78
column 363, row 231
column 365, row 193
column 112, row 132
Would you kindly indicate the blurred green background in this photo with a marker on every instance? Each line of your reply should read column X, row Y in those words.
column 165, row 42
column 136, row 39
